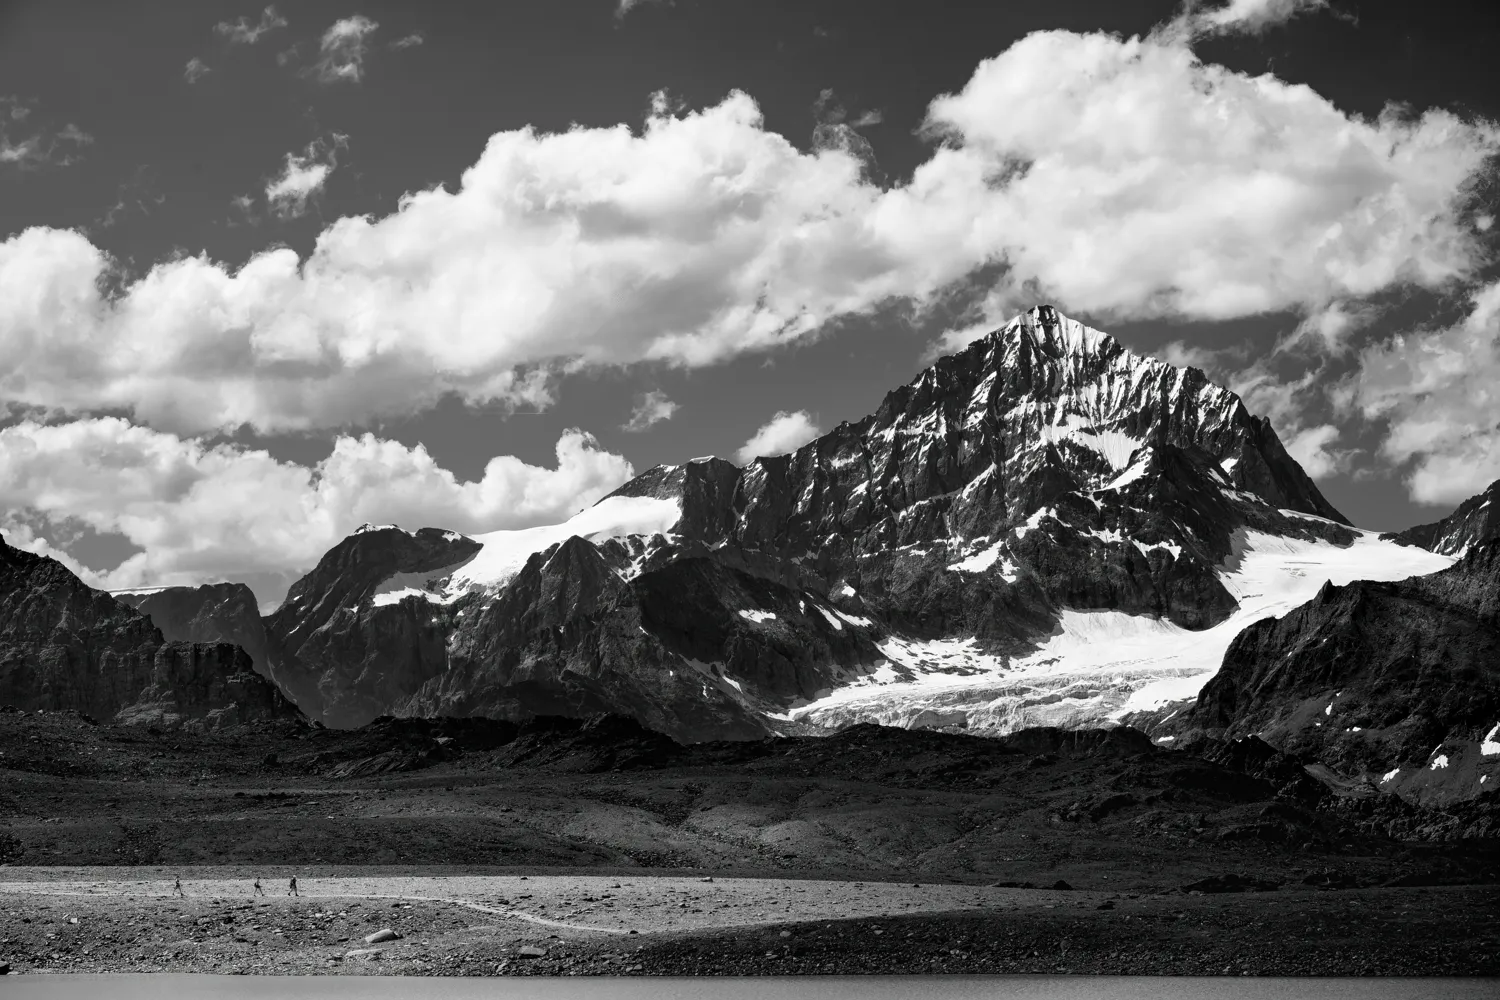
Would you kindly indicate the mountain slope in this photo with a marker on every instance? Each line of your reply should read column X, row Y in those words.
column 1476, row 520
column 1043, row 529
column 64, row 645
column 217, row 612
column 1395, row 681
column 355, row 636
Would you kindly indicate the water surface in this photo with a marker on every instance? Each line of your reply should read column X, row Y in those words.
column 155, row 986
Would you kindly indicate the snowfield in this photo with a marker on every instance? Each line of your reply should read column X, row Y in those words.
column 1100, row 665
column 506, row 552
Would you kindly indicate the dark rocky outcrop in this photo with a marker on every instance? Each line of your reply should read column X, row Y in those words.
column 1396, row 680
column 215, row 612
column 204, row 686
column 66, row 646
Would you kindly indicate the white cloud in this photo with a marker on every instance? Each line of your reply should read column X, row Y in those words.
column 196, row 70
column 623, row 7
column 1248, row 16
column 341, row 51
column 1120, row 178
column 241, row 32
column 1126, row 178
column 1439, row 391
column 1313, row 448
column 652, row 408
column 408, row 41
column 783, row 433
column 302, row 178
column 42, row 147
column 203, row 512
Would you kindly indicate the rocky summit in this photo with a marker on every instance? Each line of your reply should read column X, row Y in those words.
column 1044, row 529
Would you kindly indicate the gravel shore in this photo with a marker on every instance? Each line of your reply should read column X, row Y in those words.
column 665, row 925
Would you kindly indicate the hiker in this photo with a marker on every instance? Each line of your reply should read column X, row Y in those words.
column 291, row 887
column 177, row 887
column 258, row 890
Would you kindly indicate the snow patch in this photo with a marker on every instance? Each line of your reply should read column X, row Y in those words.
column 1490, row 746
column 1101, row 665
column 505, row 552
column 758, row 616
column 984, row 559
column 1441, row 760
column 838, row 626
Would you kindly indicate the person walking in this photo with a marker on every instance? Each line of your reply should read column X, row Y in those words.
column 258, row 890
column 177, row 887
column 291, row 887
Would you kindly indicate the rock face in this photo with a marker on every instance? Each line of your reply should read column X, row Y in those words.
column 64, row 645
column 1031, row 532
column 1396, row 683
column 204, row 686
column 218, row 612
column 1476, row 520
column 355, row 636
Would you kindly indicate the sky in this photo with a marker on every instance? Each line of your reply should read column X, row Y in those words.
column 268, row 273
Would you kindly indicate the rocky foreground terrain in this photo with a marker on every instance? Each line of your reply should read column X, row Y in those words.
column 1290, row 932
column 1045, row 850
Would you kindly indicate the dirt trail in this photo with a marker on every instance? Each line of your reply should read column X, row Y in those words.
column 590, row 904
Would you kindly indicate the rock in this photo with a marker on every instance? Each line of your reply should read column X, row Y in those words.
column 384, row 934
column 66, row 646
column 219, row 612
column 1368, row 678
column 1061, row 885
column 4, row 968
column 1108, row 904
column 365, row 953
column 1231, row 883
column 531, row 951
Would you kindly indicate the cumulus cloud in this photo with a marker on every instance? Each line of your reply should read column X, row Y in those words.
column 241, row 32
column 408, row 41
column 650, row 409
column 195, row 70
column 206, row 512
column 782, row 434
column 302, row 177
column 1147, row 183
column 1122, row 178
column 1438, row 391
column 341, row 51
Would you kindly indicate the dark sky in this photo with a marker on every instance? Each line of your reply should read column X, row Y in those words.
column 167, row 157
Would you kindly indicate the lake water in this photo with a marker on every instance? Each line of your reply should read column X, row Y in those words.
column 171, row 987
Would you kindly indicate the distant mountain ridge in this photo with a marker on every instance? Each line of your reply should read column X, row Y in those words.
column 941, row 562
column 64, row 645
column 1476, row 520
